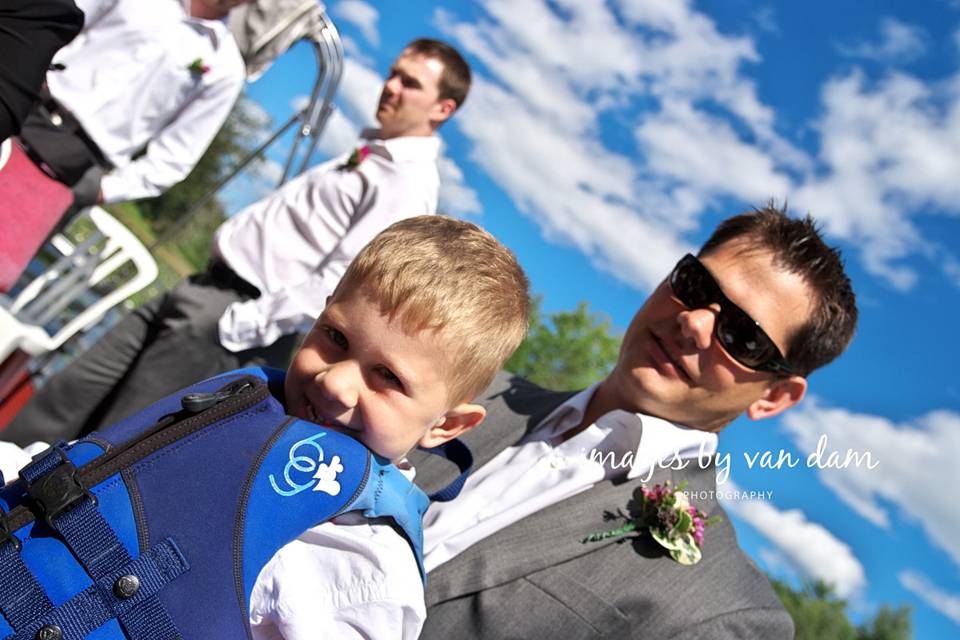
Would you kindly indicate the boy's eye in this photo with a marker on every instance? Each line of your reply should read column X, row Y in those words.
column 389, row 376
column 338, row 338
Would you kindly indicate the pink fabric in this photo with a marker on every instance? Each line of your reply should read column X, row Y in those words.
column 31, row 203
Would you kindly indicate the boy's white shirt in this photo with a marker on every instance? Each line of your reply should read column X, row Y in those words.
column 347, row 578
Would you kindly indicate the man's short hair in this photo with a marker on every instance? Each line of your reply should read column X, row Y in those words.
column 455, row 79
column 797, row 247
column 448, row 275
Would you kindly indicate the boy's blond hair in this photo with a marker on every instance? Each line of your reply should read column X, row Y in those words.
column 452, row 277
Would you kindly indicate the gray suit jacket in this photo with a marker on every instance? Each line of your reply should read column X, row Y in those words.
column 534, row 580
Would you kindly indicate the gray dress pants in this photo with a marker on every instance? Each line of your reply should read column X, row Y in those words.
column 165, row 345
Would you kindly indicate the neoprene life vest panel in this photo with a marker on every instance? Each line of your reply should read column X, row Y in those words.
column 157, row 527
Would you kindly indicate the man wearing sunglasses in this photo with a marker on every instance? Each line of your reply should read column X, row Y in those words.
column 733, row 330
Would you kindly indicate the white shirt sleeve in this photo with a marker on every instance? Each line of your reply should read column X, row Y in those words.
column 262, row 321
column 387, row 198
column 347, row 580
column 93, row 10
column 172, row 154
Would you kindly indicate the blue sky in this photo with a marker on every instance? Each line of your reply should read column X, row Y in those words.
column 602, row 140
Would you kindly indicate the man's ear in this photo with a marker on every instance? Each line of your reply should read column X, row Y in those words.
column 779, row 397
column 442, row 111
column 455, row 422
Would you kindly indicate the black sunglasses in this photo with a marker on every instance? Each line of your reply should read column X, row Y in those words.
column 738, row 333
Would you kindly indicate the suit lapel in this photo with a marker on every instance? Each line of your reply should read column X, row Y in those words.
column 552, row 535
column 546, row 538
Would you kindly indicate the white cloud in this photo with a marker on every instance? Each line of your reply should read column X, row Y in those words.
column 359, row 93
column 808, row 546
column 299, row 102
column 915, row 461
column 706, row 154
column 339, row 135
column 456, row 197
column 535, row 125
column 946, row 603
column 253, row 119
column 361, row 15
column 574, row 188
column 545, row 94
column 899, row 42
column 356, row 101
column 888, row 150
column 766, row 19
column 271, row 172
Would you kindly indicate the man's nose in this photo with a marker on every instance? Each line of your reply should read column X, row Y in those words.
column 392, row 85
column 340, row 384
column 696, row 325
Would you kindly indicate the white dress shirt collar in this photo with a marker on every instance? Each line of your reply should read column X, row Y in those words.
column 619, row 433
column 403, row 148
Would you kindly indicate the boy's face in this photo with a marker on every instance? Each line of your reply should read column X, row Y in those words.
column 361, row 374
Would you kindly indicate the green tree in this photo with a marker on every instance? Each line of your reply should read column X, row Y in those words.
column 819, row 615
column 888, row 624
column 566, row 350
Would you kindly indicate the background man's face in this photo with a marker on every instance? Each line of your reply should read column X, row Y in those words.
column 670, row 363
column 409, row 103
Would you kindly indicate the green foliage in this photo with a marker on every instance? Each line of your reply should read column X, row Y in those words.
column 567, row 350
column 819, row 615
column 888, row 624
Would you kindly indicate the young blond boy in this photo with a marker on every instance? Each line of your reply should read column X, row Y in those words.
column 423, row 318
column 421, row 321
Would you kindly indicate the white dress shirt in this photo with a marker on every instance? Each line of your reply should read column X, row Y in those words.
column 345, row 579
column 542, row 471
column 128, row 82
column 295, row 244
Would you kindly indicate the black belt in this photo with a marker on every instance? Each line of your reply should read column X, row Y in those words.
column 221, row 273
column 53, row 137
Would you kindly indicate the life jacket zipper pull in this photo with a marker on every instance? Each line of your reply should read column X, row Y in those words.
column 197, row 402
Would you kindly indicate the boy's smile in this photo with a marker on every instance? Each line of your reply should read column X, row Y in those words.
column 361, row 373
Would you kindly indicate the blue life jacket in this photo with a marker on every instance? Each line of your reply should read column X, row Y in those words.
column 157, row 527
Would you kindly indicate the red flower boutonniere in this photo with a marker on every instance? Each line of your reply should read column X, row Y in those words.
column 359, row 155
column 670, row 519
column 198, row 68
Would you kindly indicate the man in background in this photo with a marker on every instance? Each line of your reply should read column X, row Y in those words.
column 156, row 77
column 273, row 265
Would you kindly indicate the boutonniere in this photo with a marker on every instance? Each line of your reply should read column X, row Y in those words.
column 670, row 519
column 197, row 68
column 359, row 155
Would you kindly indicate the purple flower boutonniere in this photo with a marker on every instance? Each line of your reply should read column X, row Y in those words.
column 198, row 68
column 670, row 519
column 359, row 155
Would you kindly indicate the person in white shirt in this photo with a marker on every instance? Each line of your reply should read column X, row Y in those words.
column 735, row 330
column 273, row 265
column 420, row 323
column 160, row 76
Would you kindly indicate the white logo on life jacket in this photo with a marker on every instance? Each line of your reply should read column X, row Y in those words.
column 323, row 476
